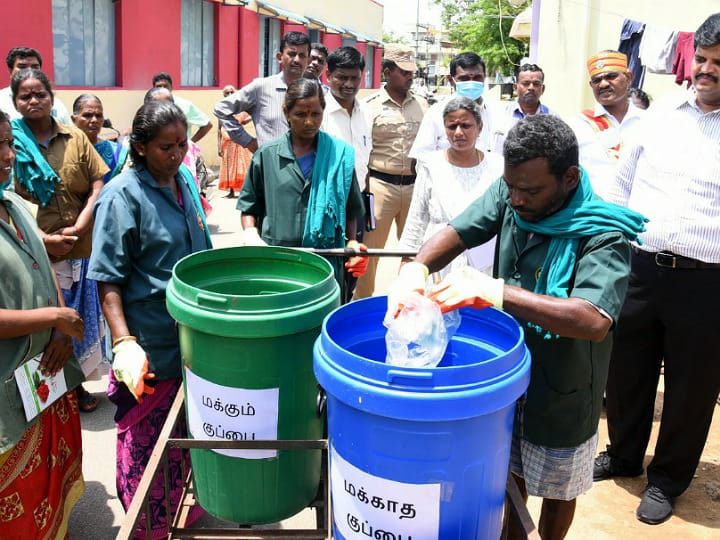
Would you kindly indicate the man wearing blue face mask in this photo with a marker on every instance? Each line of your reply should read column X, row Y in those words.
column 467, row 77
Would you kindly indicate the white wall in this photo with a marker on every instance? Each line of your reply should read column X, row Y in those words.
column 573, row 30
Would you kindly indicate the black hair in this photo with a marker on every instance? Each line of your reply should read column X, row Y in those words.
column 149, row 120
column 388, row 64
column 466, row 60
column 162, row 76
column 301, row 89
column 542, row 136
column 21, row 52
column 534, row 68
column 81, row 100
column 640, row 95
column 154, row 91
column 26, row 74
column 708, row 33
column 296, row 39
column 319, row 47
column 345, row 58
column 4, row 117
column 463, row 103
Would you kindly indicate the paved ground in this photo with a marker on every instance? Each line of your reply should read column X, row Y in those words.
column 606, row 512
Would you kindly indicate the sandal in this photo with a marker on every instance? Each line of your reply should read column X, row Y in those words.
column 86, row 401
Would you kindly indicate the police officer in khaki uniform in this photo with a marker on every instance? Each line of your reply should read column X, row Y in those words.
column 396, row 113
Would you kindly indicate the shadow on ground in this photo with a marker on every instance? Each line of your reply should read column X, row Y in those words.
column 94, row 507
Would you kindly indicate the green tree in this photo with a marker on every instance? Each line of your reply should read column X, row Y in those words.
column 391, row 37
column 476, row 25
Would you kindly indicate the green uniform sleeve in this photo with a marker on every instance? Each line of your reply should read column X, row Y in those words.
column 355, row 207
column 251, row 199
column 602, row 270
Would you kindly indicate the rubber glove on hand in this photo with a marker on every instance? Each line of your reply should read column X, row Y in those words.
column 130, row 366
column 467, row 287
column 252, row 238
column 357, row 266
column 411, row 278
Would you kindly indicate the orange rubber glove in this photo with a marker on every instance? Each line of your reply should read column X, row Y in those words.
column 467, row 287
column 130, row 365
column 357, row 266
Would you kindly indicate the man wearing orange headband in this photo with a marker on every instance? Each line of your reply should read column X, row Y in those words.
column 602, row 131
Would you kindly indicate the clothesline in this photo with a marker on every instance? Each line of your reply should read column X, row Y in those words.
column 656, row 49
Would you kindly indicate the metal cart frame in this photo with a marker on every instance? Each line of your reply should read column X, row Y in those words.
column 321, row 504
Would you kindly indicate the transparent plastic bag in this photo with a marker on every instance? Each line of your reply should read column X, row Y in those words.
column 419, row 335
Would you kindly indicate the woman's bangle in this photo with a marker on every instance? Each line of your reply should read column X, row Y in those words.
column 123, row 338
column 77, row 231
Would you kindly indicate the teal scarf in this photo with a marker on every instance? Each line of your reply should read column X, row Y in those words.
column 4, row 185
column 585, row 215
column 31, row 168
column 187, row 177
column 329, row 189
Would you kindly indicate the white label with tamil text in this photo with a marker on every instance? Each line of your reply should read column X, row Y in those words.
column 234, row 414
column 381, row 508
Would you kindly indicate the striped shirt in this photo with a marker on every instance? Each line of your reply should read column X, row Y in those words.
column 263, row 100
column 671, row 174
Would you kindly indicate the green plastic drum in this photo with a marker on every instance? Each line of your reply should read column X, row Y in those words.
column 248, row 318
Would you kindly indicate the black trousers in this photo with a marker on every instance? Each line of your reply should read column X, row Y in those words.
column 672, row 315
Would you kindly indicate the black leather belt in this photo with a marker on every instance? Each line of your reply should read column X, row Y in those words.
column 665, row 259
column 395, row 179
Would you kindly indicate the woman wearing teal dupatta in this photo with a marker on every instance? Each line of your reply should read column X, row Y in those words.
column 301, row 189
column 58, row 169
column 88, row 116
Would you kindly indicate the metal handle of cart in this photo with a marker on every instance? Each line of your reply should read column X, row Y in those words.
column 346, row 252
column 345, row 290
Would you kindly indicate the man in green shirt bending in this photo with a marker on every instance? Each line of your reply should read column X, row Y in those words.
column 562, row 264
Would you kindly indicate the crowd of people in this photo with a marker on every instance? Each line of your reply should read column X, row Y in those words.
column 595, row 234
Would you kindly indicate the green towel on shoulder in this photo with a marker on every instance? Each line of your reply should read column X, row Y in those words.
column 329, row 190
column 585, row 215
column 31, row 168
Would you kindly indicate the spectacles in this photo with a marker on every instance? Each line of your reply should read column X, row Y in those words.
column 610, row 76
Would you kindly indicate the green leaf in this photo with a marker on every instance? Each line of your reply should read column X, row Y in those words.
column 476, row 26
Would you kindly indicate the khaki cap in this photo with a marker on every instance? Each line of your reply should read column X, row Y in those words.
column 401, row 55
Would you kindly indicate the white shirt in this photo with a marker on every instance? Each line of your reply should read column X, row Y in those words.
column 442, row 192
column 355, row 129
column 657, row 48
column 671, row 174
column 59, row 112
column 597, row 152
column 431, row 135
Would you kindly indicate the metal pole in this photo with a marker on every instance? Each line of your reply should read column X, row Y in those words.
column 371, row 252
column 417, row 31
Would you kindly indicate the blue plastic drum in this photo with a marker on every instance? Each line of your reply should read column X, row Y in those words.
column 419, row 453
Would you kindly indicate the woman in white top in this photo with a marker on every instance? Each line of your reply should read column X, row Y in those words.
column 448, row 181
